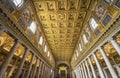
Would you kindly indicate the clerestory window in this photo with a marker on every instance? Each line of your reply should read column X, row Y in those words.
column 80, row 47
column 33, row 27
column 85, row 39
column 93, row 23
column 77, row 53
column 45, row 49
column 41, row 40
column 18, row 3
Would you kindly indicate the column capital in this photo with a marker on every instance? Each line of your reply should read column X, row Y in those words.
column 85, row 60
column 27, row 49
column 110, row 39
column 17, row 41
column 98, row 66
column 100, row 47
column 116, row 45
column 93, row 53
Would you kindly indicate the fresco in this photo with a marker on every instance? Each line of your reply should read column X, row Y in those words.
column 7, row 5
column 117, row 3
column 106, row 20
column 100, row 11
column 26, row 16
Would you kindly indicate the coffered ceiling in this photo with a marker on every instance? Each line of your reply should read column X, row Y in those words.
column 62, row 22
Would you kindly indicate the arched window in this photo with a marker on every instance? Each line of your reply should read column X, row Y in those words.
column 48, row 54
column 75, row 57
column 80, row 47
column 45, row 49
column 77, row 53
column 18, row 3
column 41, row 40
column 33, row 27
column 85, row 39
column 93, row 23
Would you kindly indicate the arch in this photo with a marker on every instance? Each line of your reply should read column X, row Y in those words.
column 63, row 62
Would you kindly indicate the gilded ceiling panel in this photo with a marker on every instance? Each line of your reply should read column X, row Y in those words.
column 61, row 22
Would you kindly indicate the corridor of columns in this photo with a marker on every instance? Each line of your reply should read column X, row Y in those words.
column 59, row 38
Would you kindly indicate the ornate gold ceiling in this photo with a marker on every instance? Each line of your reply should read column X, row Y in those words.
column 62, row 22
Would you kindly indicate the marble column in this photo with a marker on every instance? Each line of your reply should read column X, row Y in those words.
column 77, row 72
column 47, row 73
column 31, row 62
column 83, row 76
column 8, row 59
column 66, row 73
column 21, row 64
column 38, row 75
column 112, row 71
column 85, row 70
column 42, row 71
column 80, row 72
column 35, row 68
column 116, row 66
column 23, row 74
column 98, row 66
column 116, row 46
column 92, row 68
column 106, row 73
column 12, row 68
column 88, row 69
column 53, row 75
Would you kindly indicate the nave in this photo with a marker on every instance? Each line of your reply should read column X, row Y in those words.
column 59, row 38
